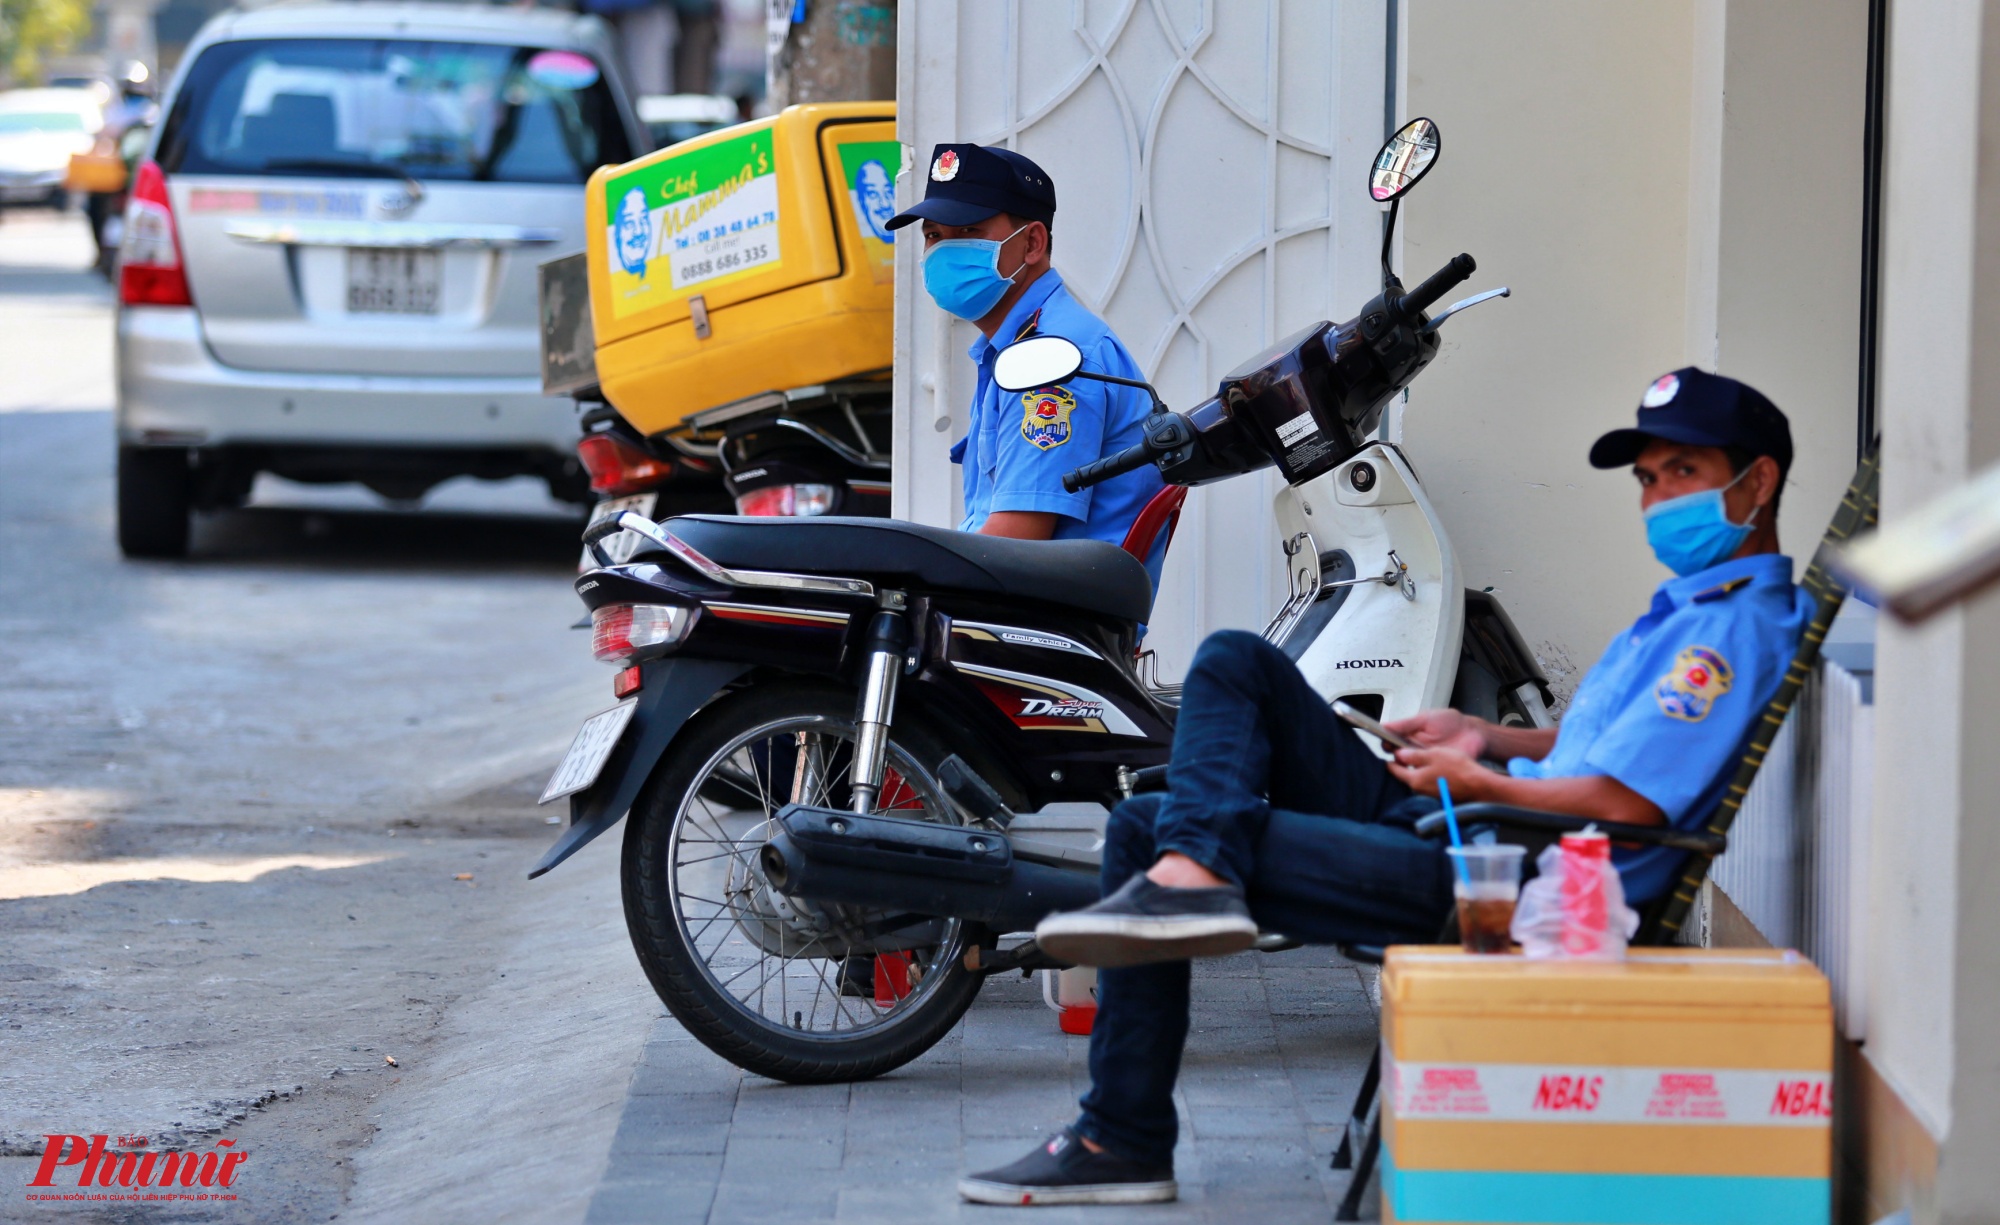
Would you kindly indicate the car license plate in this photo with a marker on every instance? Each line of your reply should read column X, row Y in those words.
column 619, row 548
column 392, row 281
column 588, row 752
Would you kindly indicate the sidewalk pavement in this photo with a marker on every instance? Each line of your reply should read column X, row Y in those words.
column 1278, row 1047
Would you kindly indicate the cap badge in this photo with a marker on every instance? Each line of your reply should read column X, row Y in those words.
column 945, row 168
column 1662, row 392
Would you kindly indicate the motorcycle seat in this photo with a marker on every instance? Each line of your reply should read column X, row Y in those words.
column 1086, row 574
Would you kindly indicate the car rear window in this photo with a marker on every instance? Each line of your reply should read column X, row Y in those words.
column 476, row 112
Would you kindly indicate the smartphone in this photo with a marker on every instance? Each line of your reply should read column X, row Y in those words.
column 1373, row 728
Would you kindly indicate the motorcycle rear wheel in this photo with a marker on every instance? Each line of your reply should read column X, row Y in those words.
column 706, row 945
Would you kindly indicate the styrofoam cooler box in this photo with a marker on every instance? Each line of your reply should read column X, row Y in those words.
column 1679, row 1086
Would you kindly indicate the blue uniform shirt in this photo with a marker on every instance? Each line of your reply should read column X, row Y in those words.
column 1666, row 709
column 1018, row 445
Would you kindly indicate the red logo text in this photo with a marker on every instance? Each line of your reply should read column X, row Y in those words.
column 1803, row 1099
column 1578, row 1093
column 96, row 1164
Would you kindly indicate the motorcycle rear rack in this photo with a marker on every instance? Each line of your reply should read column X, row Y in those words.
column 700, row 563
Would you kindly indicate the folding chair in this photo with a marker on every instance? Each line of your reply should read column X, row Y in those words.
column 1662, row 919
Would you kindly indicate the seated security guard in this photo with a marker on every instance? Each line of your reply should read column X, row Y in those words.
column 986, row 215
column 1276, row 814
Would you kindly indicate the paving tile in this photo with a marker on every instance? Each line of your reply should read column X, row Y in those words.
column 671, row 1189
column 645, row 1204
column 776, row 1199
column 1216, row 1122
column 750, row 1158
column 904, row 1200
column 681, row 1139
column 673, row 1109
column 678, row 1069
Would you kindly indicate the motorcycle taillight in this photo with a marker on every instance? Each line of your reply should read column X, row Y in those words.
column 786, row 500
column 618, row 468
column 618, row 632
column 150, row 269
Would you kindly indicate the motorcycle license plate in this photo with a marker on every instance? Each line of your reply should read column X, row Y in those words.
column 619, row 548
column 392, row 281
column 588, row 752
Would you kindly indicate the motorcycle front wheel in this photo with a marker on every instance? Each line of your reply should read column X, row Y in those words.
column 780, row 986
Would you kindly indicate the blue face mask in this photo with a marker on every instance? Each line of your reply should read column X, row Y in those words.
column 963, row 275
column 1693, row 532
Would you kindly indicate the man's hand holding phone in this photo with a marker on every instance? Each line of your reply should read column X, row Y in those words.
column 1444, row 729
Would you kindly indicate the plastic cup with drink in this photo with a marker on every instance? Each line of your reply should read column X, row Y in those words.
column 1487, row 886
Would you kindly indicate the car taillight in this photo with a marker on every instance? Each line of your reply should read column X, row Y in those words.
column 149, row 261
column 787, row 500
column 620, row 631
column 617, row 468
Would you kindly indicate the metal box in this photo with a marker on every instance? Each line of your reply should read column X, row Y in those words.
column 569, row 349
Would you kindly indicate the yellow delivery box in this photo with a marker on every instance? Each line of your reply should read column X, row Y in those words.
column 751, row 259
column 1680, row 1085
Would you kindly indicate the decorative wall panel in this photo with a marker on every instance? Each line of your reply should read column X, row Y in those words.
column 1210, row 165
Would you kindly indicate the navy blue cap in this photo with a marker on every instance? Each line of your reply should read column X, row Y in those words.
column 1704, row 410
column 967, row 184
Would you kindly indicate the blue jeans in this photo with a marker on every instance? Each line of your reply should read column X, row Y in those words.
column 1270, row 789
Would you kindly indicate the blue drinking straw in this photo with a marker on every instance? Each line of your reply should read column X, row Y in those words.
column 1451, row 824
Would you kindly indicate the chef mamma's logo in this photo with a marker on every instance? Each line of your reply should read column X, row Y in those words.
column 635, row 232
column 691, row 219
column 131, row 1171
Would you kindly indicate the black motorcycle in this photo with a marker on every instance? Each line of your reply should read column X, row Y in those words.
column 828, row 725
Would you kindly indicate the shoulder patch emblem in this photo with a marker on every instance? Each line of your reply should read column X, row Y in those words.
column 1045, row 417
column 1688, row 691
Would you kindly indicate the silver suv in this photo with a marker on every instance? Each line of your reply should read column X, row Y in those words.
column 328, row 270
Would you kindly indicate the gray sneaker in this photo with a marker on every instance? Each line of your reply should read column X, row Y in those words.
column 1144, row 922
column 1063, row 1171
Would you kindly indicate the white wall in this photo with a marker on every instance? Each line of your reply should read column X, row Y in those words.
column 1788, row 254
column 1210, row 164
column 1565, row 173
column 1661, row 184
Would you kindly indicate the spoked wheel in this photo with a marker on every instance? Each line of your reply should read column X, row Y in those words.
column 784, row 987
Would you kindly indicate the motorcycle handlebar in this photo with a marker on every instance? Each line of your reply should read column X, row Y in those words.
column 1131, row 457
column 1441, row 282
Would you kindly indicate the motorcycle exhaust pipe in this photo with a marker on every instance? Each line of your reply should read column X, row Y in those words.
column 920, row 867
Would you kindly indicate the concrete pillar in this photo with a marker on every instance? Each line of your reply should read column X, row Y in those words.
column 1968, row 1188
column 844, row 51
column 1935, row 973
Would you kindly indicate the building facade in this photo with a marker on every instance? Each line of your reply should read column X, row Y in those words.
column 1793, row 192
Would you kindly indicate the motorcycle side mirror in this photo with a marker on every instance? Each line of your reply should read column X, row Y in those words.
column 1039, row 361
column 1404, row 159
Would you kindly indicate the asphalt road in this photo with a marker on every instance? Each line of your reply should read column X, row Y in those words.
column 238, row 793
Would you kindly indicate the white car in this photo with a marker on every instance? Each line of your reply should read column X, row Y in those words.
column 39, row 129
column 328, row 269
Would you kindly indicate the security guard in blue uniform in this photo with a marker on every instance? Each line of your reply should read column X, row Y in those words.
column 986, row 216
column 1277, row 815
